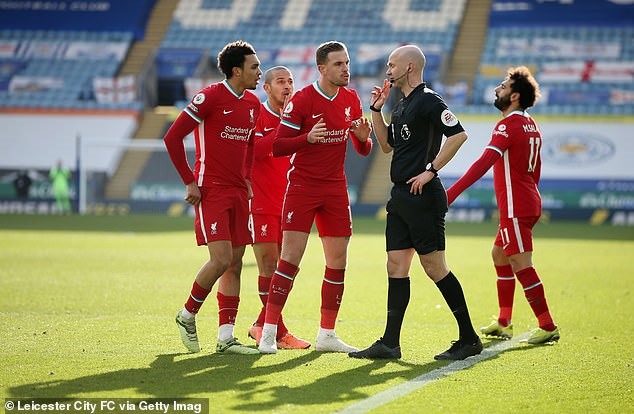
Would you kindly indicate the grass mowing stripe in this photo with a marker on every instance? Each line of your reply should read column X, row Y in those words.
column 412, row 385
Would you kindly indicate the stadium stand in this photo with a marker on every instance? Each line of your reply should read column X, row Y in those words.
column 68, row 54
column 286, row 32
column 586, row 71
column 56, row 69
column 585, row 63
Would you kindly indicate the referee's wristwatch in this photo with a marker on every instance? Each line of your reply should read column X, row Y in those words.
column 430, row 167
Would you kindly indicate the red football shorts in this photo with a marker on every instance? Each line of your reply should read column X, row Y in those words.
column 331, row 213
column 266, row 228
column 515, row 235
column 223, row 214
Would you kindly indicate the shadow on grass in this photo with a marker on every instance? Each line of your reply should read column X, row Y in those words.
column 170, row 377
column 166, row 376
column 343, row 386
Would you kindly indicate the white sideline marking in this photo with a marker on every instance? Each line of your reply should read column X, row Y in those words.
column 412, row 385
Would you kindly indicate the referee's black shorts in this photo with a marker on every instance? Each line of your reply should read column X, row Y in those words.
column 416, row 221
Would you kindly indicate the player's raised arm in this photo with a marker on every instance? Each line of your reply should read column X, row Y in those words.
column 287, row 142
column 360, row 130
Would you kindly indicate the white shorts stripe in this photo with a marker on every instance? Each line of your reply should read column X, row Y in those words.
column 251, row 225
column 202, row 220
column 518, row 235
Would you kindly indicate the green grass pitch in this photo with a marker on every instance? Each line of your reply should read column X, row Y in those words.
column 88, row 306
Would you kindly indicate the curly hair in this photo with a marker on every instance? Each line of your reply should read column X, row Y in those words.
column 233, row 56
column 525, row 84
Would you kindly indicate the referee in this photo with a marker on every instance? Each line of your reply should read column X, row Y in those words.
column 418, row 203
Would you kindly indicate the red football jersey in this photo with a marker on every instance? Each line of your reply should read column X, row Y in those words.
column 268, row 178
column 322, row 163
column 225, row 123
column 516, row 174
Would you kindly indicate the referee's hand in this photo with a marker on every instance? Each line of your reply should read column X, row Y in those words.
column 379, row 95
column 418, row 182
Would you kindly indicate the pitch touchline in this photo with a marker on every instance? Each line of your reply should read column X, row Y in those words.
column 412, row 385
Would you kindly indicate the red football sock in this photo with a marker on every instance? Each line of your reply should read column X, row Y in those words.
column 331, row 294
column 506, row 292
column 281, row 285
column 227, row 309
column 534, row 292
column 196, row 298
column 281, row 328
column 264, row 284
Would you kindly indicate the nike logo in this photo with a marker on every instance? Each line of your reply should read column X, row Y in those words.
column 317, row 116
column 268, row 129
column 226, row 112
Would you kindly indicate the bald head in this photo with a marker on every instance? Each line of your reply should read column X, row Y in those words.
column 405, row 68
column 410, row 54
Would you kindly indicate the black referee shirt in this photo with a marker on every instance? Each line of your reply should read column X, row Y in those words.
column 418, row 124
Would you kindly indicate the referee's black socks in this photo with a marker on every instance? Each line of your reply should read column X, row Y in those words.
column 451, row 290
column 398, row 293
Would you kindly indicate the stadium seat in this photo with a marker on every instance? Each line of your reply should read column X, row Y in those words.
column 589, row 36
column 74, row 73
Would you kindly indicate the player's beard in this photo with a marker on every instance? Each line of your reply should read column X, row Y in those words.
column 502, row 103
column 342, row 81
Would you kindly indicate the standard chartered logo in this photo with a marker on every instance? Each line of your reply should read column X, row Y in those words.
column 236, row 134
column 334, row 136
